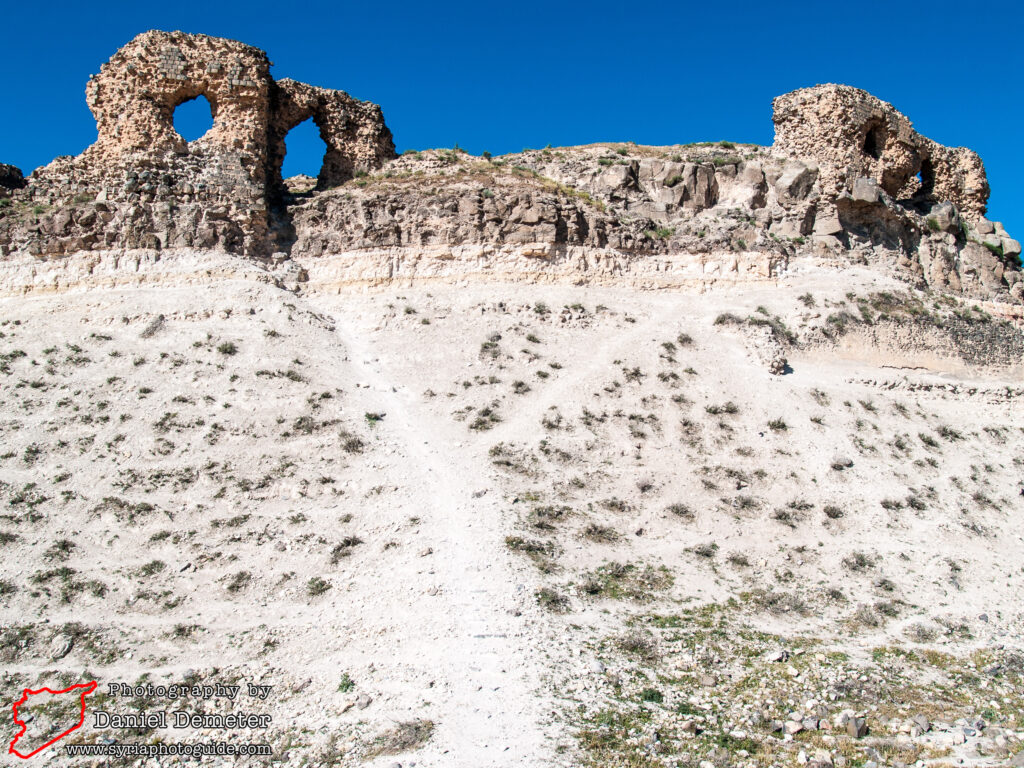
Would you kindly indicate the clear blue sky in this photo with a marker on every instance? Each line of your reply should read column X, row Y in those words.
column 503, row 76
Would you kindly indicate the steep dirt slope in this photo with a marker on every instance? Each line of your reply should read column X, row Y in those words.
column 519, row 524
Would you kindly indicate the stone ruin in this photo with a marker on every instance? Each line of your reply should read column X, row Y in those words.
column 220, row 190
column 847, row 178
column 881, row 184
column 853, row 136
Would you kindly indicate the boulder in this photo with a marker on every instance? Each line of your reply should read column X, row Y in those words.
column 618, row 178
column 795, row 183
column 980, row 266
column 11, row 177
column 827, row 224
column 865, row 190
column 945, row 217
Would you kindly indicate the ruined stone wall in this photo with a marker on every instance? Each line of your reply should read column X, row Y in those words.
column 354, row 131
column 853, row 135
column 141, row 185
column 134, row 96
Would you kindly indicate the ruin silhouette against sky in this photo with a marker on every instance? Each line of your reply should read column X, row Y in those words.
column 501, row 78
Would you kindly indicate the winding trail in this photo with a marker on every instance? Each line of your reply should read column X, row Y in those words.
column 470, row 623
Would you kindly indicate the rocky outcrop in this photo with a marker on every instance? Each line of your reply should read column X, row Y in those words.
column 10, row 178
column 847, row 181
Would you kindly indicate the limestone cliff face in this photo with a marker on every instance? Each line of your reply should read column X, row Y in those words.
column 847, row 180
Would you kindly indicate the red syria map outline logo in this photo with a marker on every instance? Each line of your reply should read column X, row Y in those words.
column 86, row 688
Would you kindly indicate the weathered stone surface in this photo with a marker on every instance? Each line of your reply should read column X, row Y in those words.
column 865, row 190
column 852, row 134
column 944, row 218
column 795, row 183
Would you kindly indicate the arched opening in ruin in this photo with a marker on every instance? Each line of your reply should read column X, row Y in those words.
column 926, row 179
column 193, row 118
column 297, row 162
column 874, row 141
column 304, row 152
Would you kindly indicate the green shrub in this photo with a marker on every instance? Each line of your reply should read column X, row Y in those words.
column 661, row 233
column 317, row 586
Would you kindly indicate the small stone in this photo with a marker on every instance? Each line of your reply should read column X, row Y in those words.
column 843, row 718
column 61, row 647
column 857, row 728
column 363, row 701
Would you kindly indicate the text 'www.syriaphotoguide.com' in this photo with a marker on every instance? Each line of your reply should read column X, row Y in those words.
column 166, row 750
